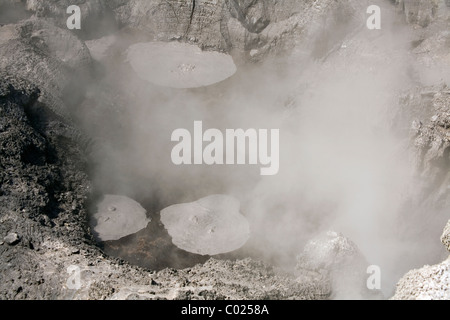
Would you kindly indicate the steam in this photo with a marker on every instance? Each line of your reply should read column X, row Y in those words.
column 342, row 167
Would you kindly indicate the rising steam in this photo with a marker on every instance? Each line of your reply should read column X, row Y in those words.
column 342, row 166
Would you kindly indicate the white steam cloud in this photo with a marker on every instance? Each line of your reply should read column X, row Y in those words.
column 342, row 166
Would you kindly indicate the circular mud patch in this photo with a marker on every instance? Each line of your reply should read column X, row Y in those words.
column 209, row 226
column 118, row 217
column 179, row 65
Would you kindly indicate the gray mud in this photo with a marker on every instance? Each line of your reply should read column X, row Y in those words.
column 75, row 117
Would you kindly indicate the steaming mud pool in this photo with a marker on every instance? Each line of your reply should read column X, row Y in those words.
column 179, row 65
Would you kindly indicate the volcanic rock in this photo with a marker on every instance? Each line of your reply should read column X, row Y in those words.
column 427, row 283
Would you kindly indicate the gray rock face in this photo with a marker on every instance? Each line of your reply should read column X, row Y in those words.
column 234, row 25
column 49, row 57
column 261, row 27
column 253, row 15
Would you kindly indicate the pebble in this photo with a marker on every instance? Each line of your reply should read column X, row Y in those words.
column 12, row 239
